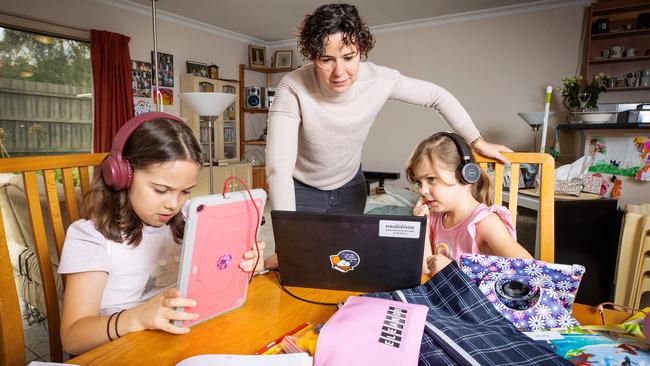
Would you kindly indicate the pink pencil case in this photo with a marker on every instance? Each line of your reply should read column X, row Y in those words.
column 371, row 331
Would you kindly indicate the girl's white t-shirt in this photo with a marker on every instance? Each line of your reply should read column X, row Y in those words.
column 135, row 273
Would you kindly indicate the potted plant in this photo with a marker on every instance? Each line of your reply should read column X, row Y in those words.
column 580, row 95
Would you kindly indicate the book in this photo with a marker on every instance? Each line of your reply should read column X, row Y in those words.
column 600, row 349
column 294, row 359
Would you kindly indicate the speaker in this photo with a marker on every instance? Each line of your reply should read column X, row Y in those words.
column 253, row 97
column 268, row 93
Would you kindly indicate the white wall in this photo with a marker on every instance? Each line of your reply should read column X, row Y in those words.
column 496, row 67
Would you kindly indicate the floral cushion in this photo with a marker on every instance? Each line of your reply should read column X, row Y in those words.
column 532, row 294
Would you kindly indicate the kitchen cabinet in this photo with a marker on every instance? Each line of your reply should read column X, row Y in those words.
column 615, row 24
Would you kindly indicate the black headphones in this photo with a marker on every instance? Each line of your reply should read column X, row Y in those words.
column 468, row 171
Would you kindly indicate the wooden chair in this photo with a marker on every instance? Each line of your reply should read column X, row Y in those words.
column 546, row 195
column 11, row 326
column 585, row 314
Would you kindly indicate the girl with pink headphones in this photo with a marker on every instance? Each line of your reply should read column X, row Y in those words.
column 121, row 260
column 455, row 195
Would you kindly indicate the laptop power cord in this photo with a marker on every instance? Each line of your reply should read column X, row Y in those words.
column 277, row 276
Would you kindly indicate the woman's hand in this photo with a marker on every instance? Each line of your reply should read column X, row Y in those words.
column 250, row 257
column 436, row 263
column 421, row 208
column 157, row 313
column 491, row 150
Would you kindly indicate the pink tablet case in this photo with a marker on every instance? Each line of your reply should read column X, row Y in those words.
column 217, row 233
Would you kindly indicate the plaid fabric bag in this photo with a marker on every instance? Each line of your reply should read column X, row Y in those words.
column 463, row 328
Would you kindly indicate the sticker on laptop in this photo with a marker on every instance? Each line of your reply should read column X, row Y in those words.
column 345, row 260
column 399, row 229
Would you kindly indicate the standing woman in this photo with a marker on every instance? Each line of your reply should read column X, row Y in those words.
column 323, row 111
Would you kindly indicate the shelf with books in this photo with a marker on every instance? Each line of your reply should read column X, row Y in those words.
column 256, row 142
column 225, row 133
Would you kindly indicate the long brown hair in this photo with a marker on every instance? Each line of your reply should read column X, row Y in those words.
column 441, row 148
column 157, row 141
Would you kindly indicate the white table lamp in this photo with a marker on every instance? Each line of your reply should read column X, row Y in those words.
column 211, row 105
column 534, row 120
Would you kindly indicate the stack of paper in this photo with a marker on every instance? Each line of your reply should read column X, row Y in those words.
column 294, row 359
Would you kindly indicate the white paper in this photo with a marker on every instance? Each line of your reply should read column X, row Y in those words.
column 399, row 229
column 291, row 359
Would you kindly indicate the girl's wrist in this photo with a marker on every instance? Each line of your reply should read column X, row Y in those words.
column 128, row 323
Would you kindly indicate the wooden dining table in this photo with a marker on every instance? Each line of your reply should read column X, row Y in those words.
column 267, row 314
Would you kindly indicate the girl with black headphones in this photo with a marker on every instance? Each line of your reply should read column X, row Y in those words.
column 455, row 195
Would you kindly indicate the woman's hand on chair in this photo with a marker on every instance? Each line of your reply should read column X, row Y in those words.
column 491, row 150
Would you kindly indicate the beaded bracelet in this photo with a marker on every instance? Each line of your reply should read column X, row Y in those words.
column 117, row 318
column 108, row 323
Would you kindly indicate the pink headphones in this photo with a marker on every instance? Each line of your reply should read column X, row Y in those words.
column 116, row 170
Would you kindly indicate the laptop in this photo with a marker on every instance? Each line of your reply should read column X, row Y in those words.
column 368, row 253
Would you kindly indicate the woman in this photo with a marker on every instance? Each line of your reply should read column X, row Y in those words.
column 323, row 111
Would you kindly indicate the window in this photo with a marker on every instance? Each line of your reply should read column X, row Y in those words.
column 45, row 94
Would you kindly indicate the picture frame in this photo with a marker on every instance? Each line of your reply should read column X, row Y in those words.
column 197, row 68
column 165, row 69
column 256, row 57
column 283, row 59
column 141, row 74
column 213, row 71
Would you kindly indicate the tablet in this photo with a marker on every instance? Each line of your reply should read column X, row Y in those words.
column 218, row 230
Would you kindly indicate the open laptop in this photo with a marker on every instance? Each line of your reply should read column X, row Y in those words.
column 369, row 253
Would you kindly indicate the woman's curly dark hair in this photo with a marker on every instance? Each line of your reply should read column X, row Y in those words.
column 331, row 19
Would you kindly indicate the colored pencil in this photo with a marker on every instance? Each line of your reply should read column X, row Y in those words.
column 273, row 350
column 277, row 341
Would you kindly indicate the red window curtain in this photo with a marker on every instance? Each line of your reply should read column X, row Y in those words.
column 113, row 95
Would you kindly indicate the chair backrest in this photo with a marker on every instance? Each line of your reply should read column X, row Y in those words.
column 546, row 193
column 11, row 340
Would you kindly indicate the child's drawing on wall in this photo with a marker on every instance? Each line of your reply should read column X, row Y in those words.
column 643, row 144
column 615, row 155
